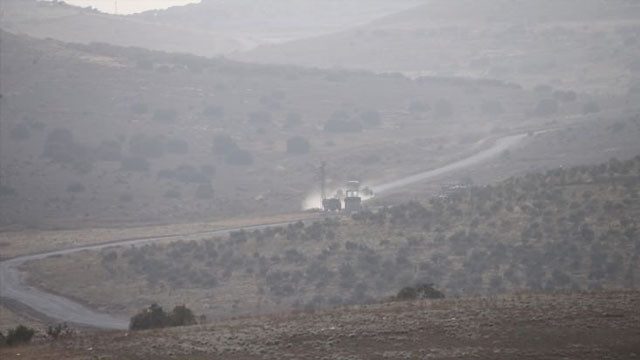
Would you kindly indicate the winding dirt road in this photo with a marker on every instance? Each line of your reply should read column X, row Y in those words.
column 62, row 309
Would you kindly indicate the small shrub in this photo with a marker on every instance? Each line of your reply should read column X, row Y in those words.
column 370, row 119
column 75, row 188
column 60, row 147
column 213, row 112
column 172, row 194
column 134, row 163
column 184, row 173
column 341, row 122
column 239, row 158
column 293, row 120
column 181, row 316
column 590, row 108
column 155, row 317
column 224, row 144
column 7, row 191
column 126, row 197
column 109, row 150
column 260, row 118
column 139, row 108
column 165, row 115
column 204, row 191
column 147, row 147
column 152, row 317
column 546, row 107
column 20, row 335
column 20, row 132
column 298, row 145
column 177, row 146
column 422, row 291
column 59, row 331
column 565, row 96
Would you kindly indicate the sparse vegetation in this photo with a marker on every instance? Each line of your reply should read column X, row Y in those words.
column 341, row 122
column 418, row 292
column 546, row 107
column 298, row 145
column 20, row 132
column 238, row 157
column 224, row 144
column 165, row 115
column 59, row 331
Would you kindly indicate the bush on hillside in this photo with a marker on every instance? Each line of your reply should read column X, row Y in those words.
column 239, row 158
column 591, row 107
column 370, row 119
column 20, row 132
column 154, row 317
column 165, row 115
column 134, row 163
column 298, row 145
column 213, row 112
column 546, row 107
column 139, row 108
column 109, row 150
column 422, row 291
column 223, row 144
column 19, row 335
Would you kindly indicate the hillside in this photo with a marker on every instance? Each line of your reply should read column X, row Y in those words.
column 209, row 28
column 276, row 20
column 593, row 325
column 568, row 229
column 96, row 134
column 56, row 20
column 569, row 43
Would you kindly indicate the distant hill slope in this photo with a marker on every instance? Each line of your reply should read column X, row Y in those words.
column 98, row 133
column 73, row 24
column 276, row 19
column 210, row 28
column 567, row 43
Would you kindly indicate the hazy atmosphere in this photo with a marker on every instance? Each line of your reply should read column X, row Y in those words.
column 330, row 179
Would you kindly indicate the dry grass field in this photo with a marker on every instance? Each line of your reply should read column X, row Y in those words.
column 594, row 325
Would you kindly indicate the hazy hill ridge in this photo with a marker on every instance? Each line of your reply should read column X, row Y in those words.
column 211, row 28
column 566, row 43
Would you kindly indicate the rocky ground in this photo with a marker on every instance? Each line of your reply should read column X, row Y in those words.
column 602, row 325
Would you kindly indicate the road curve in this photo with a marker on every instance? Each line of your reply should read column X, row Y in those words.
column 62, row 309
